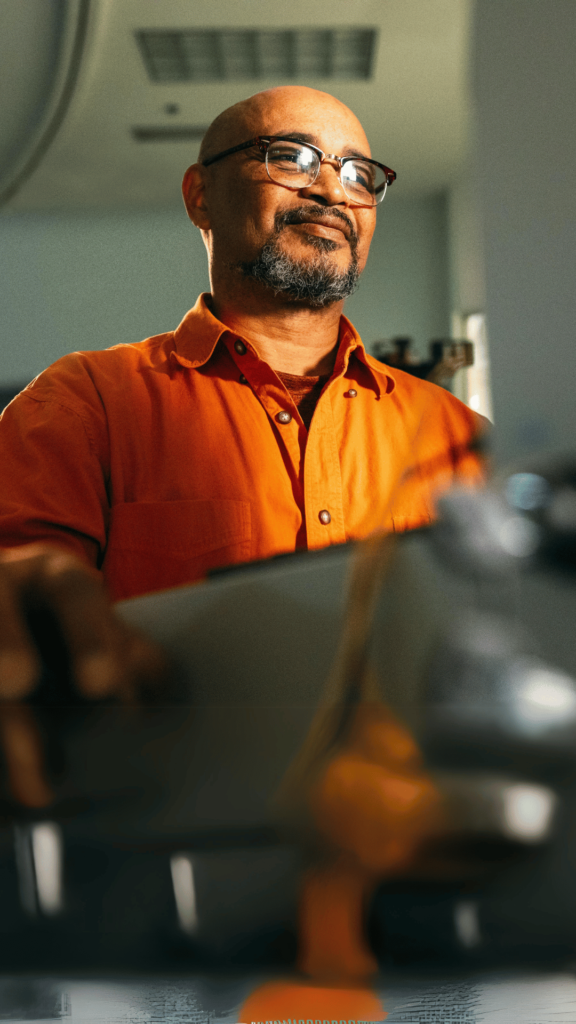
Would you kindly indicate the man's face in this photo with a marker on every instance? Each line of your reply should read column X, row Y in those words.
column 315, row 226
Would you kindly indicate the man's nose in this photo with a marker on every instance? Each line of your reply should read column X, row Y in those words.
column 327, row 189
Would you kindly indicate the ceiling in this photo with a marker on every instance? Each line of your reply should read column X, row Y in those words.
column 74, row 148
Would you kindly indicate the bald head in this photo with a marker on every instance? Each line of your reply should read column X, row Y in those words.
column 273, row 111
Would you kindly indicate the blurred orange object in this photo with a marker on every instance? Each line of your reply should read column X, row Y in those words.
column 332, row 944
column 376, row 806
column 297, row 1001
column 374, row 799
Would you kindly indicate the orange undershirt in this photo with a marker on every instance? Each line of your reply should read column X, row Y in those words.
column 305, row 392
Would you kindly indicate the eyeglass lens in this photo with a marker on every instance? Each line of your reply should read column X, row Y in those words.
column 296, row 166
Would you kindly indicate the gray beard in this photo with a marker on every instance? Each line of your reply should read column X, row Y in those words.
column 314, row 282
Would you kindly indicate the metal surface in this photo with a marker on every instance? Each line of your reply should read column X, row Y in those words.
column 535, row 998
column 166, row 845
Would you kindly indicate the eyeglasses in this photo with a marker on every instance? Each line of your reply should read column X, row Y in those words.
column 297, row 165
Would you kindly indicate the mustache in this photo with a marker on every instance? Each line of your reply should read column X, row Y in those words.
column 301, row 214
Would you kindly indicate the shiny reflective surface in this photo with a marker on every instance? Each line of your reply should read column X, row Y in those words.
column 179, row 840
column 403, row 795
column 534, row 998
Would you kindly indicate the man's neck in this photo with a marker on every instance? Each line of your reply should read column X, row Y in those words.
column 291, row 339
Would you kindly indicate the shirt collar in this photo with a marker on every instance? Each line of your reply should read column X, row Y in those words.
column 197, row 335
column 351, row 344
column 199, row 332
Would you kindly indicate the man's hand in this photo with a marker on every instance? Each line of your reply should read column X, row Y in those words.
column 107, row 658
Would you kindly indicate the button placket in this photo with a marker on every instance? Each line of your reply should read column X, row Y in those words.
column 260, row 379
column 323, row 496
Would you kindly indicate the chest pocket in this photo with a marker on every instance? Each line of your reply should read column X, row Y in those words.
column 159, row 544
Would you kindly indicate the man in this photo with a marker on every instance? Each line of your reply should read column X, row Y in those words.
column 259, row 426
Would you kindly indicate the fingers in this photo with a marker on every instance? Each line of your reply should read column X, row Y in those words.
column 77, row 598
column 19, row 665
column 22, row 748
column 108, row 659
column 50, row 579
column 145, row 667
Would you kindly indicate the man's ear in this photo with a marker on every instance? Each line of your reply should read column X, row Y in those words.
column 193, row 192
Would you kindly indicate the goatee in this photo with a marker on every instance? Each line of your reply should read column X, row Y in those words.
column 314, row 282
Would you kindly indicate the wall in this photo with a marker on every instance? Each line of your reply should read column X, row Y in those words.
column 466, row 258
column 404, row 289
column 524, row 77
column 93, row 280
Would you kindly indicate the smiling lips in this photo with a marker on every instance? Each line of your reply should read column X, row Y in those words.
column 329, row 224
column 322, row 223
column 328, row 230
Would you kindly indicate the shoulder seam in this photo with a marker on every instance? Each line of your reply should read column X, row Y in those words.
column 66, row 408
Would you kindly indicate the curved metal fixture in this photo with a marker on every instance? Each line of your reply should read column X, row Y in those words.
column 64, row 79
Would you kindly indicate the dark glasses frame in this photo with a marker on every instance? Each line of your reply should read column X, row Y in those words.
column 264, row 141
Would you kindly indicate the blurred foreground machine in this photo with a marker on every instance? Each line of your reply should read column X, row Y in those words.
column 165, row 847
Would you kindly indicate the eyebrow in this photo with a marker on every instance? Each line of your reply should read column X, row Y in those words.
column 313, row 139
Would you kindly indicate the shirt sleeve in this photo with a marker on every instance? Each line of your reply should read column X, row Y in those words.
column 53, row 474
column 467, row 435
column 449, row 449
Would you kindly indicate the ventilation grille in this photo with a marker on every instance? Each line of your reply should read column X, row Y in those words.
column 210, row 55
column 168, row 133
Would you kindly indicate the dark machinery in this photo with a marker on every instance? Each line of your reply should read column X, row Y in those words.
column 165, row 850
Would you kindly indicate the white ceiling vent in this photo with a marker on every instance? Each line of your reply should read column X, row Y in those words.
column 209, row 55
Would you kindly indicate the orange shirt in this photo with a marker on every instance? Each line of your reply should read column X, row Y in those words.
column 161, row 460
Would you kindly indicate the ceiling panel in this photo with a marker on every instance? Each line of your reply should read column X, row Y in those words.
column 414, row 107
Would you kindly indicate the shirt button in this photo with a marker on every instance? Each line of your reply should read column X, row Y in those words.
column 352, row 393
column 324, row 517
column 284, row 416
column 240, row 347
column 243, row 379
